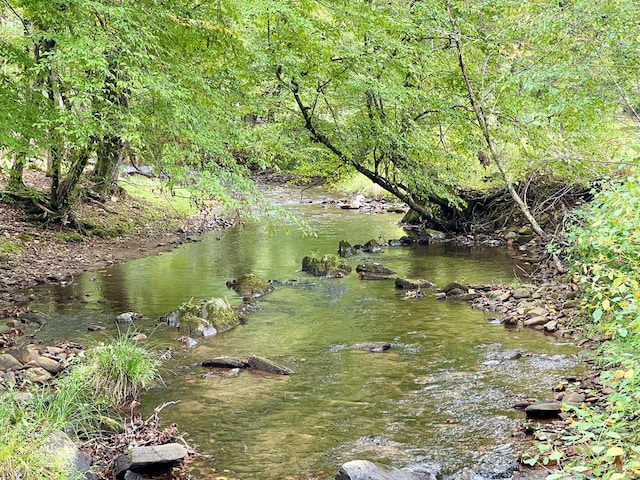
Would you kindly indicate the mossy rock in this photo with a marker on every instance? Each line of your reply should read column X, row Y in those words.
column 329, row 265
column 250, row 285
column 213, row 312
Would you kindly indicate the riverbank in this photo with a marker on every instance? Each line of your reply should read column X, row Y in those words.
column 33, row 253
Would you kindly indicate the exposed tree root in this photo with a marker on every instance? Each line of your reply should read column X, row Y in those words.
column 548, row 200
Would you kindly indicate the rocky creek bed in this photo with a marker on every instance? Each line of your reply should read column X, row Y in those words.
column 543, row 302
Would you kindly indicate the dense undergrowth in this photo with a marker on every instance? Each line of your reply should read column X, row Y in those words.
column 81, row 403
column 604, row 257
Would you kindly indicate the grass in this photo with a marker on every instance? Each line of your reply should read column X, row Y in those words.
column 153, row 192
column 361, row 185
column 106, row 377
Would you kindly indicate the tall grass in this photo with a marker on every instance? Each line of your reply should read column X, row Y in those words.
column 107, row 376
column 119, row 371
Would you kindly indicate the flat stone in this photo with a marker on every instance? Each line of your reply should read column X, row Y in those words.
column 95, row 328
column 537, row 312
column 158, row 456
column 543, row 410
column 535, row 321
column 49, row 364
column 9, row 362
column 551, row 326
column 225, row 362
column 574, row 398
column 440, row 296
column 366, row 470
column 266, row 365
column 520, row 293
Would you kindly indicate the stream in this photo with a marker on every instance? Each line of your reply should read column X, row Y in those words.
column 437, row 396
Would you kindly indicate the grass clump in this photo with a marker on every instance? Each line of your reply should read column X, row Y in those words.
column 105, row 378
column 9, row 246
column 604, row 256
column 117, row 372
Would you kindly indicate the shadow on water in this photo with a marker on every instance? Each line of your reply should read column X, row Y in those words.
column 434, row 396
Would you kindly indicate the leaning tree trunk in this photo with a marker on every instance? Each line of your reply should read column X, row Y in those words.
column 399, row 191
column 484, row 128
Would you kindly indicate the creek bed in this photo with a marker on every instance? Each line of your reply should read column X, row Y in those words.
column 437, row 395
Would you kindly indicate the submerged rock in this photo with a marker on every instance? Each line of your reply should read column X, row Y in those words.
column 407, row 284
column 127, row 317
column 373, row 269
column 374, row 347
column 266, row 365
column 366, row 470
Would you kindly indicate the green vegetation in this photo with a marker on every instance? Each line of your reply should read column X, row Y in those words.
column 605, row 260
column 9, row 246
column 428, row 100
column 95, row 386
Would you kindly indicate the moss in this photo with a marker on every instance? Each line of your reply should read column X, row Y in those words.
column 250, row 285
column 9, row 246
column 69, row 237
column 216, row 312
column 329, row 265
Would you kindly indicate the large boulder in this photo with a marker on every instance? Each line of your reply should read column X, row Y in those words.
column 59, row 448
column 330, row 266
column 365, row 470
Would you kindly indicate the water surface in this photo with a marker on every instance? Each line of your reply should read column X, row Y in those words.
column 435, row 396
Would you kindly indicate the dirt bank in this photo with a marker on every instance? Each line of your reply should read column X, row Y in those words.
column 34, row 253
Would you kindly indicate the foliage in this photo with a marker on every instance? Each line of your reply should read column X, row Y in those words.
column 604, row 253
column 379, row 89
column 116, row 372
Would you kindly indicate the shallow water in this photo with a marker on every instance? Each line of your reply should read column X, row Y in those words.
column 434, row 396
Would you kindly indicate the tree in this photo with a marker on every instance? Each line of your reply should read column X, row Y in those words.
column 102, row 80
column 413, row 93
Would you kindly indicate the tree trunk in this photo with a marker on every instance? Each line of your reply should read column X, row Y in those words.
column 484, row 128
column 61, row 199
column 15, row 176
column 111, row 152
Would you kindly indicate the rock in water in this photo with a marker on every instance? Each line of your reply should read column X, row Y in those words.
column 269, row 366
column 224, row 362
column 375, row 347
column 543, row 410
column 154, row 457
column 365, row 470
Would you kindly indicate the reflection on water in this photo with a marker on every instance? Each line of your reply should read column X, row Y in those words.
column 433, row 396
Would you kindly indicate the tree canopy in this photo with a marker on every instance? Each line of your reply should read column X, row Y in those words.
column 427, row 98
